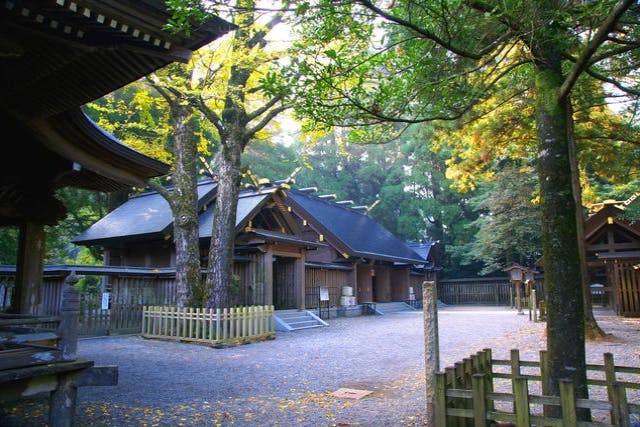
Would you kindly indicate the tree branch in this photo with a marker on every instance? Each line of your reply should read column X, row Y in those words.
column 613, row 52
column 266, row 106
column 615, row 83
column 249, row 133
column 162, row 190
column 160, row 89
column 600, row 37
column 198, row 103
column 422, row 31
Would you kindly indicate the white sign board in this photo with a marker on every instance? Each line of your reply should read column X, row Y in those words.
column 324, row 294
column 105, row 301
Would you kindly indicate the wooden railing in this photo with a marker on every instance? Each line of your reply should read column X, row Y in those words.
column 209, row 326
column 466, row 394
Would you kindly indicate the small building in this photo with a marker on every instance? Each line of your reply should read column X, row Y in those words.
column 613, row 257
column 289, row 245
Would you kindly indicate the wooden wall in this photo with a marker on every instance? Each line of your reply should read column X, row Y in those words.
column 326, row 278
column 252, row 280
column 382, row 283
column 400, row 284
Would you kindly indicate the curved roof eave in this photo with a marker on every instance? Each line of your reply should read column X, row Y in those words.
column 76, row 137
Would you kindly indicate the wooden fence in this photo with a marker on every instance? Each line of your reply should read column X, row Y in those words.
column 209, row 326
column 471, row 393
column 480, row 290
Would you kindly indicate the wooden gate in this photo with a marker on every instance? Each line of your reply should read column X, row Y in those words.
column 283, row 283
column 627, row 288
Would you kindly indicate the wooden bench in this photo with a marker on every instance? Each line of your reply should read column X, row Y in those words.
column 38, row 355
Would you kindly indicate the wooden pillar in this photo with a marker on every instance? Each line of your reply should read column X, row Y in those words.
column 353, row 281
column 613, row 277
column 29, row 270
column 431, row 347
column 518, row 297
column 268, row 277
column 299, row 285
column 63, row 403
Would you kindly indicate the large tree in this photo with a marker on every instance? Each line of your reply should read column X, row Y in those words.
column 240, row 94
column 153, row 116
column 444, row 60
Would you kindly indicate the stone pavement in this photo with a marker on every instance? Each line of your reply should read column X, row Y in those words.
column 290, row 381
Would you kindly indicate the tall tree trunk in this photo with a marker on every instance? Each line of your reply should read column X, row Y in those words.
column 184, row 204
column 224, row 223
column 561, row 256
column 592, row 330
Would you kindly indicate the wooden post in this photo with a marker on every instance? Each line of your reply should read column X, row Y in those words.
column 518, row 297
column 440, row 402
column 62, row 403
column 515, row 363
column 511, row 297
column 268, row 277
column 30, row 265
column 529, row 301
column 479, row 400
column 218, row 324
column 431, row 347
column 568, row 402
column 488, row 374
column 299, row 282
column 620, row 406
column 521, row 401
column 610, row 378
column 68, row 328
column 534, row 303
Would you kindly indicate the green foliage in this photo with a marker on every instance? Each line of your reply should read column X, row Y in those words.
column 407, row 177
column 89, row 285
column 508, row 222
column 83, row 209
column 137, row 116
column 9, row 245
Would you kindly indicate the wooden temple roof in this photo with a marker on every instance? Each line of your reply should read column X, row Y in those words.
column 357, row 234
column 148, row 216
column 57, row 55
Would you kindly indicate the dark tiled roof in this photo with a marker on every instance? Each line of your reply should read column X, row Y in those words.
column 248, row 204
column 363, row 236
column 147, row 214
column 422, row 248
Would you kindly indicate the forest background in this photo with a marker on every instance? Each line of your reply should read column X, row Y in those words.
column 471, row 188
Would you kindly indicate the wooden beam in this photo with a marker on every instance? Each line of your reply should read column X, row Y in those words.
column 268, row 277
column 29, row 269
column 299, row 282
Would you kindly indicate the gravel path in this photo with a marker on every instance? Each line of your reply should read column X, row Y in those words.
column 288, row 381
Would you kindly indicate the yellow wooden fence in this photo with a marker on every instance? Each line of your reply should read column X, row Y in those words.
column 205, row 325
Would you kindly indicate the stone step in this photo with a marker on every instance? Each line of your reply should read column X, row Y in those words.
column 393, row 307
column 291, row 320
column 303, row 324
